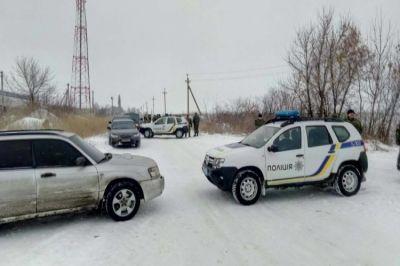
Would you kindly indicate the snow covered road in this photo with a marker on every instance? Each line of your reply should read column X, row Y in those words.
column 193, row 223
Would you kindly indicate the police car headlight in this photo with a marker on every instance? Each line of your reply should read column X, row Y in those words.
column 114, row 136
column 218, row 162
column 154, row 172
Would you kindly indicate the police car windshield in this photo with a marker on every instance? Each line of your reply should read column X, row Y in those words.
column 260, row 137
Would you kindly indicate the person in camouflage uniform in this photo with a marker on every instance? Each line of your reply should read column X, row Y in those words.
column 259, row 122
column 351, row 118
column 398, row 143
column 196, row 124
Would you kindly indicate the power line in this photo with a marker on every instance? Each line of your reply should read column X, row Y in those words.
column 240, row 71
column 239, row 77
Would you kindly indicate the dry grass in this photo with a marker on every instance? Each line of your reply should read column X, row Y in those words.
column 83, row 124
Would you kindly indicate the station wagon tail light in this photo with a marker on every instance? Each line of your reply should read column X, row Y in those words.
column 154, row 172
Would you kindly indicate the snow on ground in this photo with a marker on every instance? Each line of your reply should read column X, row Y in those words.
column 193, row 223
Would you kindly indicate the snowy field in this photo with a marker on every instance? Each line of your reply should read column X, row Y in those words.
column 193, row 223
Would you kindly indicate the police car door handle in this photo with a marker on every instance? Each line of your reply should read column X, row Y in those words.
column 299, row 155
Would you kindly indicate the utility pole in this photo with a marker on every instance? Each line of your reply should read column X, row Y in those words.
column 187, row 94
column 189, row 91
column 94, row 111
column 2, row 89
column 165, row 101
column 112, row 106
column 147, row 108
column 152, row 111
column 67, row 96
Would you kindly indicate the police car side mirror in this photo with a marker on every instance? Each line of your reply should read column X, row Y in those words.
column 272, row 148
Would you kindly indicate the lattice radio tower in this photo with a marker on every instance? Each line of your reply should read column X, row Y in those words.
column 80, row 85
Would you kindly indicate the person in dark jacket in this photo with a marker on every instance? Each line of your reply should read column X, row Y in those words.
column 259, row 122
column 196, row 124
column 351, row 118
column 398, row 135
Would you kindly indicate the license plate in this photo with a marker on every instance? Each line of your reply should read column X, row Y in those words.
column 126, row 140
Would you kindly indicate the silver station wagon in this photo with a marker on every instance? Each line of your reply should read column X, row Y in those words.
column 50, row 172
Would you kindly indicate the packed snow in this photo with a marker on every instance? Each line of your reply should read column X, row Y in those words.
column 194, row 223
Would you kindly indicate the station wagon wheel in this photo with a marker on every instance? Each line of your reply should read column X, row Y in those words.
column 348, row 181
column 122, row 201
column 246, row 187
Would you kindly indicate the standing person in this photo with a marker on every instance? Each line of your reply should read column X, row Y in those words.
column 190, row 125
column 351, row 118
column 259, row 122
column 196, row 124
column 398, row 143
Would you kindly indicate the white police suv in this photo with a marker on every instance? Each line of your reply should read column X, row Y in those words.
column 290, row 151
column 167, row 125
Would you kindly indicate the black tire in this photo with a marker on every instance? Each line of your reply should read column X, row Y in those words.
column 148, row 133
column 137, row 144
column 348, row 180
column 239, row 187
column 179, row 134
column 119, row 190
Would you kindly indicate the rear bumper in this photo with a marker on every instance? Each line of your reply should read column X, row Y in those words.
column 125, row 141
column 152, row 188
column 221, row 177
column 363, row 162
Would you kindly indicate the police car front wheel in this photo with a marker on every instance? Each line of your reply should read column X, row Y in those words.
column 246, row 188
column 348, row 181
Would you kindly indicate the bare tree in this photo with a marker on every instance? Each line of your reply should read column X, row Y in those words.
column 30, row 79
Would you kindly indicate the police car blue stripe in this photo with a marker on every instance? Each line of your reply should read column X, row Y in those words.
column 350, row 144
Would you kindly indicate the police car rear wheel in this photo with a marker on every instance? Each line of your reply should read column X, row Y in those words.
column 148, row 133
column 348, row 182
column 246, row 188
column 179, row 134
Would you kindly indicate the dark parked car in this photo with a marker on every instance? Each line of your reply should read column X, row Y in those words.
column 123, row 132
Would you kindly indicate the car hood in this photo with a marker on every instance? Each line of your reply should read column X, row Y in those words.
column 224, row 151
column 146, row 125
column 124, row 131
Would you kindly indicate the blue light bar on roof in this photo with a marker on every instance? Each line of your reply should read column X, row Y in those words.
column 288, row 114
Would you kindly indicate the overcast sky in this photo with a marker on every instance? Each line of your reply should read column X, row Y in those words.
column 137, row 48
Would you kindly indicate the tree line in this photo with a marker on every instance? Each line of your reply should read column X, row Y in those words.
column 335, row 68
